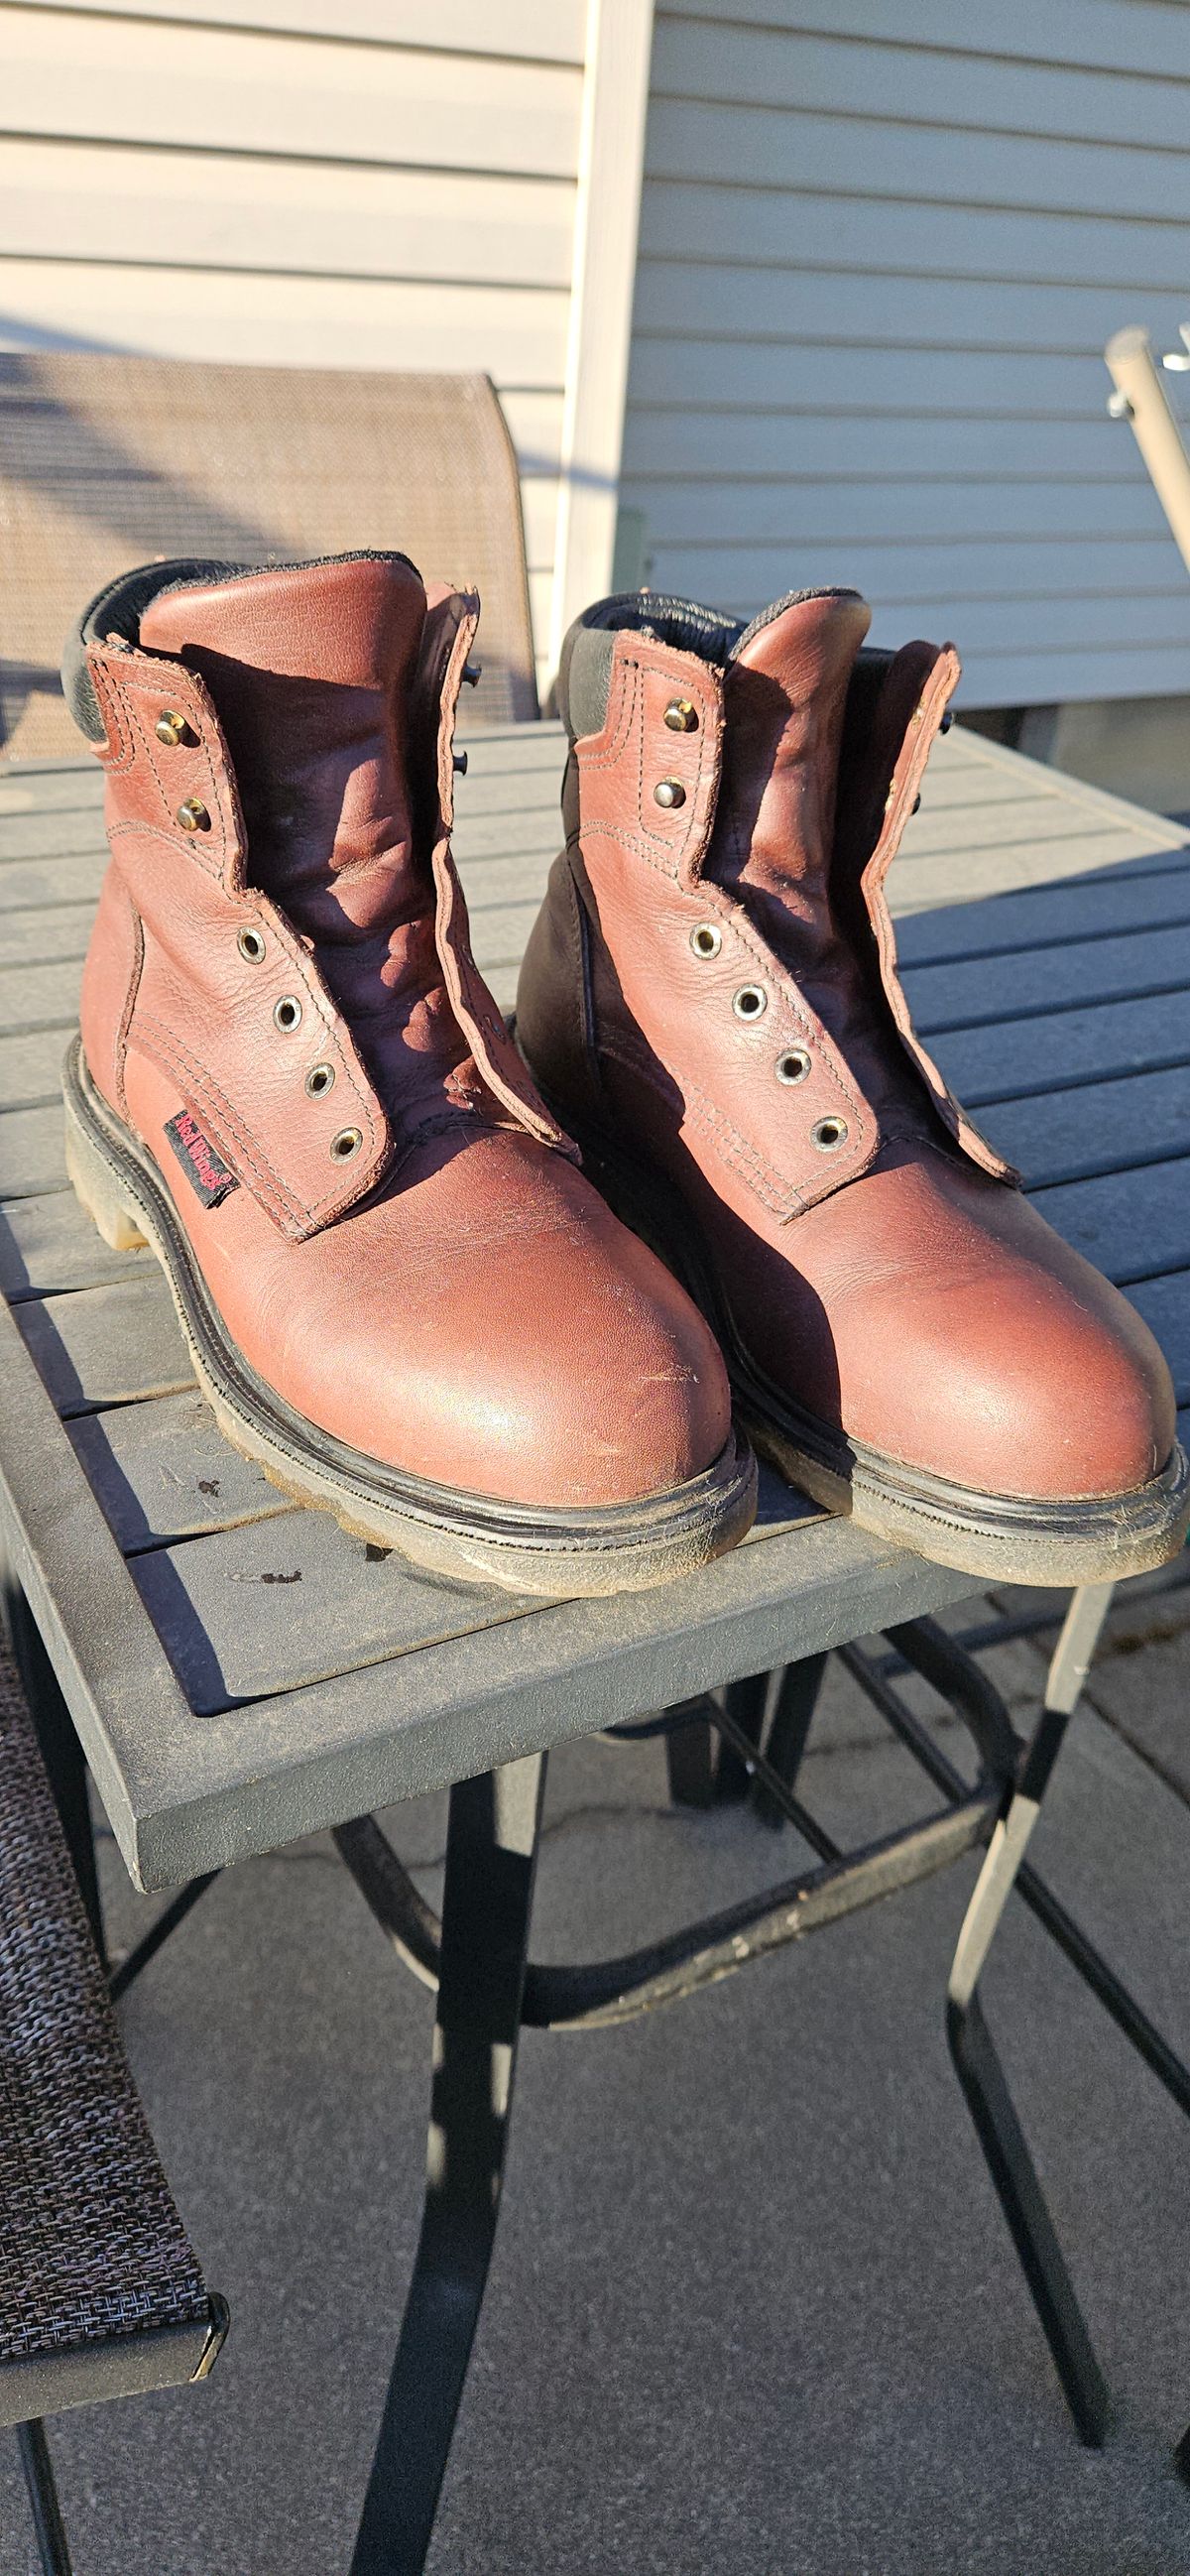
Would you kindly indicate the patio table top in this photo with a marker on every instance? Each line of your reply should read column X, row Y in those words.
column 241, row 1671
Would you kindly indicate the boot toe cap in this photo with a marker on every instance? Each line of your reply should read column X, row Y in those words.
column 509, row 1338
column 1022, row 1372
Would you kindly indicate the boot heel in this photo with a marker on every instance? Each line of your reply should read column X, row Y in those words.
column 98, row 1191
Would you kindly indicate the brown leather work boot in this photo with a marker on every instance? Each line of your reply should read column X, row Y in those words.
column 399, row 1292
column 710, row 1000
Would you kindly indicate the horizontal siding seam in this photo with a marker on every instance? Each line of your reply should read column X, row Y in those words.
column 256, row 152
column 819, row 482
column 851, row 194
column 648, row 336
column 914, row 124
column 325, row 36
column 703, row 410
column 433, row 281
column 919, row 276
column 679, row 20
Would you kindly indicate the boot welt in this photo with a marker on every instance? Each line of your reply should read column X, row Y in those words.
column 455, row 1536
column 1098, row 1538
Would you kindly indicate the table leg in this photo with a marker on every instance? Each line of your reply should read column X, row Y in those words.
column 491, row 1859
column 796, row 1699
column 976, row 2062
column 690, row 1757
column 746, row 1701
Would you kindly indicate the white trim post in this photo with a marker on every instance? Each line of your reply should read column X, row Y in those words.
column 607, row 217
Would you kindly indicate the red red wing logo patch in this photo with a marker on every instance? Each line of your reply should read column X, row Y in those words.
column 206, row 1171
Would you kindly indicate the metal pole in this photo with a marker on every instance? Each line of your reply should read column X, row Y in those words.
column 1142, row 399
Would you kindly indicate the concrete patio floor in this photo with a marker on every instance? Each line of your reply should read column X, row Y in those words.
column 753, row 2310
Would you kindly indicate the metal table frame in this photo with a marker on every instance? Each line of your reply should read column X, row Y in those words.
column 476, row 1958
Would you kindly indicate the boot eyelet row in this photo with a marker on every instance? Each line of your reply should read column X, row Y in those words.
column 346, row 1144
column 251, row 945
column 750, row 1002
column 319, row 1080
column 793, row 1066
column 828, row 1134
column 706, row 939
column 287, row 1013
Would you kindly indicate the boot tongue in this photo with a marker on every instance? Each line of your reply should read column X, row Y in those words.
column 785, row 699
column 311, row 670
column 310, row 667
column 785, row 696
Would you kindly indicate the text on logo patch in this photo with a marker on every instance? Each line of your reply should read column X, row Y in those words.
column 205, row 1170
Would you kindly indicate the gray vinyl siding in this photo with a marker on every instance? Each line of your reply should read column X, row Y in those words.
column 882, row 245
column 385, row 183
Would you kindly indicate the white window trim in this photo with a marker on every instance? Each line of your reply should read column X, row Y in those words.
column 607, row 218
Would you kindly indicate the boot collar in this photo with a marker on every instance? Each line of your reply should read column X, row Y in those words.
column 183, row 794
column 630, row 663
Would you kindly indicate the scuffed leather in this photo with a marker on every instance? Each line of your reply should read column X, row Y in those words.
column 672, row 1025
column 469, row 1311
column 199, row 1010
column 451, row 624
column 916, row 691
column 111, row 976
column 916, row 1303
column 485, row 1323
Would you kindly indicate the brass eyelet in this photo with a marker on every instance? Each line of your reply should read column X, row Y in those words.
column 750, row 1002
column 828, row 1134
column 793, row 1066
column 345, row 1144
column 681, row 716
column 193, row 815
column 319, row 1080
column 287, row 1013
column 670, row 793
column 706, row 939
column 251, row 945
column 171, row 728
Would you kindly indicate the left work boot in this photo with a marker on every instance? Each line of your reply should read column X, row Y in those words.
column 710, row 1000
column 399, row 1292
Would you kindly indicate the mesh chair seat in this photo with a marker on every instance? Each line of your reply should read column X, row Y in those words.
column 106, row 462
column 100, row 2291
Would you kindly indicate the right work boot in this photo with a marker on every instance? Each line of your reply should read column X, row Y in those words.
column 399, row 1292
column 710, row 997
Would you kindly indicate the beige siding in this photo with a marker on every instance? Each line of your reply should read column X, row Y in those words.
column 882, row 244
column 390, row 183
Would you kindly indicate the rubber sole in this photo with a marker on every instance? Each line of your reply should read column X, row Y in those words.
column 998, row 1537
column 456, row 1537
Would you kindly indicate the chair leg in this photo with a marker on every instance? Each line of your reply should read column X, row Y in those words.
column 491, row 1859
column 976, row 2062
column 52, row 2545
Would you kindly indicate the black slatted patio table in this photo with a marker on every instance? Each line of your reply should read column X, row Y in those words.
column 240, row 1672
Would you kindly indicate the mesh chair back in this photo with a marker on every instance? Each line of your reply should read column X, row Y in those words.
column 106, row 462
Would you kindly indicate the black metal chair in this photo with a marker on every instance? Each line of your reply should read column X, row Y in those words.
column 100, row 2293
